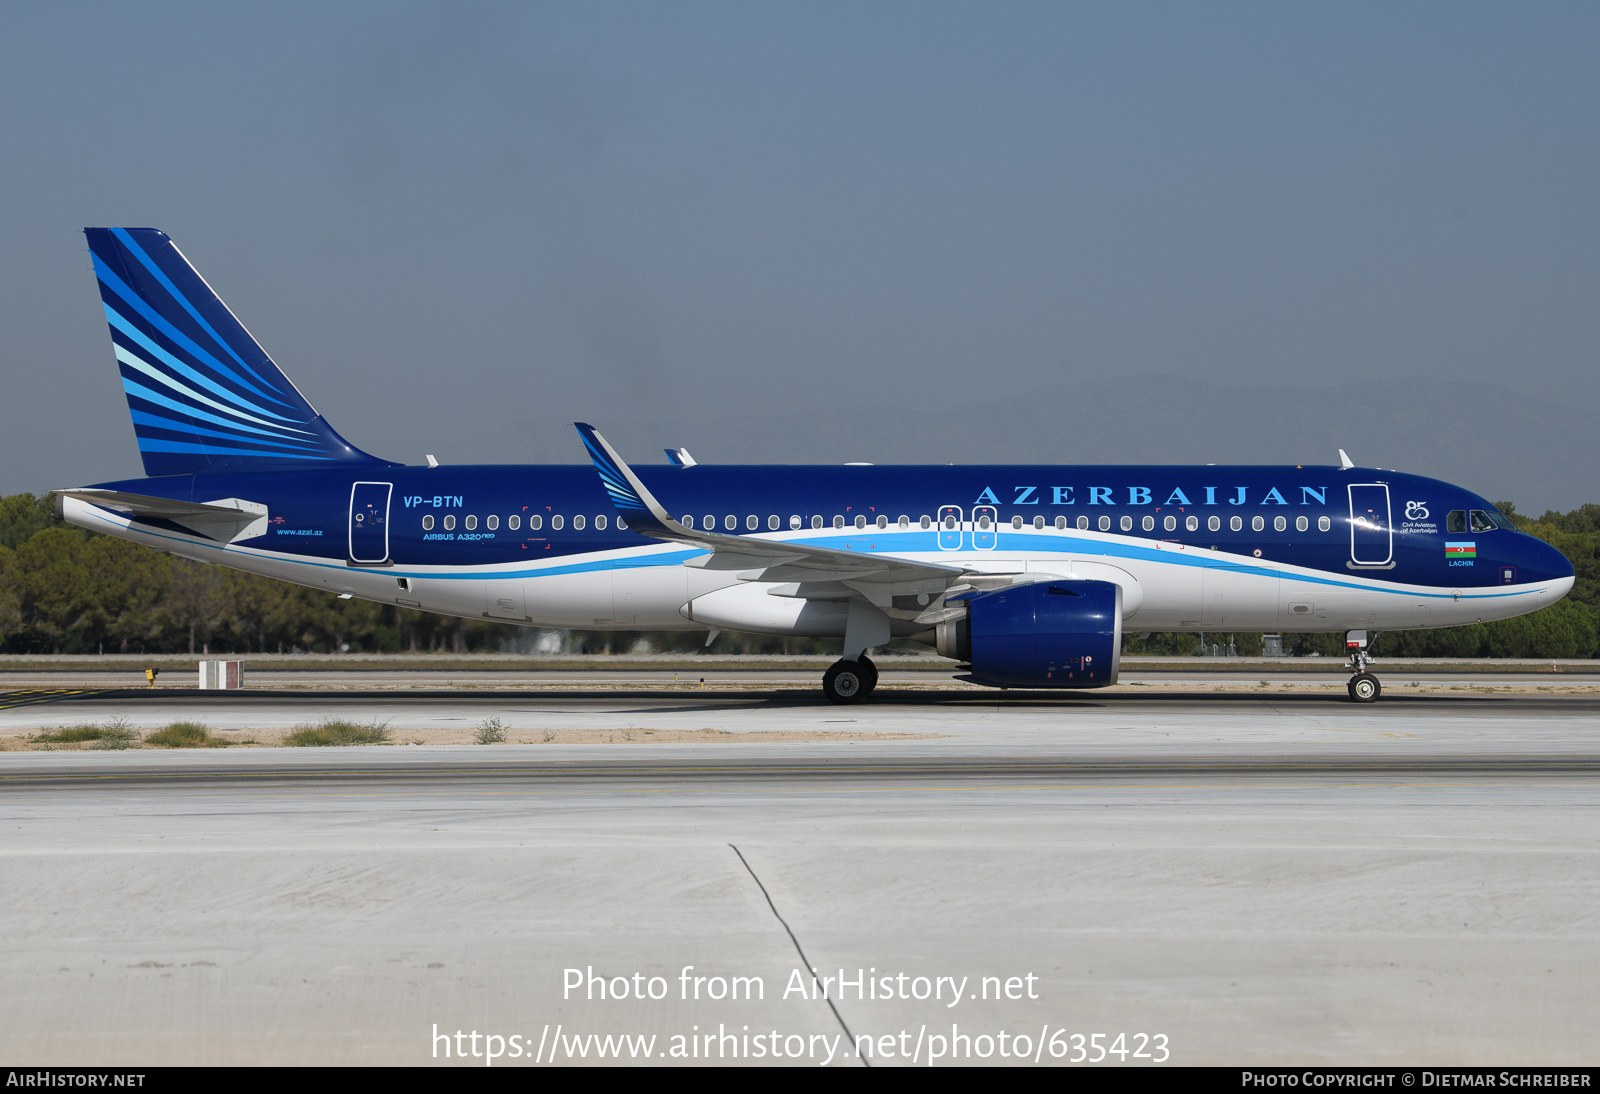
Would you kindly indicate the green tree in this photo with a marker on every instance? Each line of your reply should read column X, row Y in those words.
column 21, row 515
column 56, row 586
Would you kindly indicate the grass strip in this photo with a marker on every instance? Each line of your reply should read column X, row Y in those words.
column 333, row 732
column 186, row 735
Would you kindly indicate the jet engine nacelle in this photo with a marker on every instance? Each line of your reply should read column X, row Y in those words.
column 1047, row 634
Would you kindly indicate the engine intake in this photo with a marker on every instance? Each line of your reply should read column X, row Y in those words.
column 1048, row 634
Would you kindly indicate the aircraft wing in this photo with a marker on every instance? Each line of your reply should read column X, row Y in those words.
column 821, row 572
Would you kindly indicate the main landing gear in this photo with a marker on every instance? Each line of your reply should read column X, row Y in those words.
column 850, row 681
column 1363, row 687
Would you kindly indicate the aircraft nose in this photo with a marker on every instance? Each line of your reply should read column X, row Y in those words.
column 1544, row 562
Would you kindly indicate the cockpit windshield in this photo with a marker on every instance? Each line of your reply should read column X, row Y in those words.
column 1479, row 520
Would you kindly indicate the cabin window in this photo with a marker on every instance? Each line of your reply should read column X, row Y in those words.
column 535, row 522
column 1169, row 523
column 1214, row 523
column 925, row 523
column 984, row 522
column 427, row 523
column 449, row 522
column 1456, row 522
column 794, row 520
column 838, row 521
column 1257, row 524
column 950, row 524
column 1127, row 524
column 1481, row 521
column 861, row 520
column 1083, row 524
column 556, row 522
column 1016, row 522
column 773, row 522
column 1235, row 523
column 1279, row 524
column 1301, row 524
column 752, row 522
column 730, row 522
column 622, row 525
column 471, row 523
column 1038, row 522
column 883, row 521
column 1192, row 524
column 514, row 522
column 1105, row 524
column 600, row 522
column 577, row 523
column 1061, row 522
column 1148, row 523
column 708, row 522
column 904, row 521
column 491, row 522
column 1323, row 524
column 816, row 520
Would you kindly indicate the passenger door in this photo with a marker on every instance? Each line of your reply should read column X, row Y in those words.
column 369, row 523
column 1371, row 531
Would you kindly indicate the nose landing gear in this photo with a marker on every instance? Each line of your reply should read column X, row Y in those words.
column 1363, row 687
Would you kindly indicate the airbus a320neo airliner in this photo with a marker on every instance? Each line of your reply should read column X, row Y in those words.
column 1026, row 575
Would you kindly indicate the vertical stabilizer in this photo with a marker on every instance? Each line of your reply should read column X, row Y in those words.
column 201, row 391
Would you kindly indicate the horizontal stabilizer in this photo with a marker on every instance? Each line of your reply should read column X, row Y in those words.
column 224, row 520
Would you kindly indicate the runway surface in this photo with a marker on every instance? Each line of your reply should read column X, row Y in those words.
column 1256, row 879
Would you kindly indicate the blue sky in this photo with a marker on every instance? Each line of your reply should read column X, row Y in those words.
column 459, row 226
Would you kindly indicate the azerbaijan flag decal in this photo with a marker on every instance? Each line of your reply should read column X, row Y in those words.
column 1460, row 550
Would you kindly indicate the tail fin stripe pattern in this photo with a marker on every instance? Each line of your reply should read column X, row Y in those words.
column 158, row 444
column 116, row 320
column 199, row 387
column 166, row 283
column 142, row 417
column 138, row 390
column 176, row 336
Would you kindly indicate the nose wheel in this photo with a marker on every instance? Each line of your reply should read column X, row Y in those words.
column 1364, row 688
column 850, row 681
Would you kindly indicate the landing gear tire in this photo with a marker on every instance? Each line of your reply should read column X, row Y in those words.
column 1364, row 688
column 847, row 682
column 871, row 670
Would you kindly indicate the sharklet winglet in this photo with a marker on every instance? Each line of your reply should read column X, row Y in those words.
column 631, row 497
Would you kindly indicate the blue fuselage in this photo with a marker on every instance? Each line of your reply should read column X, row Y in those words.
column 1342, row 530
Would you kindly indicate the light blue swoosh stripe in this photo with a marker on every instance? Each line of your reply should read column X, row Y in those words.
column 139, row 364
column 115, row 284
column 924, row 542
column 134, row 388
column 675, row 558
column 121, row 323
column 141, row 417
column 149, row 264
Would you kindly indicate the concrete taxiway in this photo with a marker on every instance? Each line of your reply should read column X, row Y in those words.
column 1255, row 878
